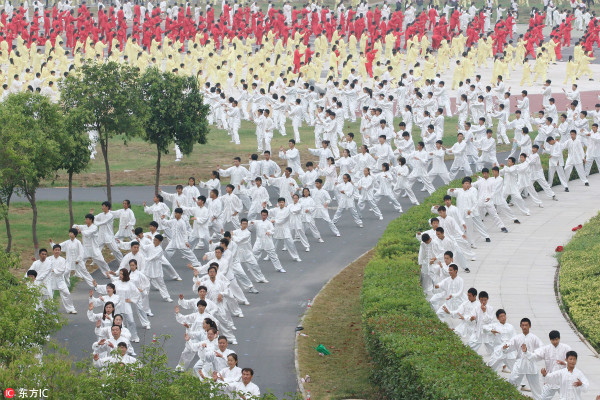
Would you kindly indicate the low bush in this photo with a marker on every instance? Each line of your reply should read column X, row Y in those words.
column 579, row 278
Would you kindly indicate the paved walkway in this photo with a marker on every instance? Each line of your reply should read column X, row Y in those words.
column 518, row 269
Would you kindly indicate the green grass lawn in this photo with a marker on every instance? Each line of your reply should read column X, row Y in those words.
column 53, row 222
column 334, row 320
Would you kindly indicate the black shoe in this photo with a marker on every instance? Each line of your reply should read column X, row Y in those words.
column 467, row 270
column 504, row 230
column 488, row 240
column 566, row 189
column 517, row 221
column 587, row 184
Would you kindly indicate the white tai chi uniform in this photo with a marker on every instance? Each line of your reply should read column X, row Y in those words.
column 500, row 356
column 74, row 254
column 551, row 354
column 179, row 241
column 57, row 281
column 466, row 200
column 525, row 365
column 346, row 201
column 126, row 223
column 91, row 250
column 154, row 270
column 264, row 241
column 565, row 380
column 281, row 222
column 106, row 235
column 322, row 200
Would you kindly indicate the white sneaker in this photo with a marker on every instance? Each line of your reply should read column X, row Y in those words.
column 136, row 340
column 73, row 312
column 150, row 314
column 361, row 226
column 282, row 270
column 321, row 240
column 241, row 316
column 147, row 327
column 307, row 249
column 178, row 278
column 380, row 217
column 246, row 303
column 264, row 281
column 337, row 235
column 253, row 290
column 169, row 300
column 266, row 258
column 298, row 259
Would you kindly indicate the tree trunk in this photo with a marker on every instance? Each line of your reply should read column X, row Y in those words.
column 32, row 201
column 7, row 222
column 71, row 219
column 157, row 184
column 104, row 147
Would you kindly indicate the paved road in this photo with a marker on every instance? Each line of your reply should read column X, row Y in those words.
column 266, row 333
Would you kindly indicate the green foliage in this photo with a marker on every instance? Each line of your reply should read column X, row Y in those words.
column 176, row 112
column 32, row 134
column 580, row 280
column 24, row 325
column 108, row 97
column 105, row 97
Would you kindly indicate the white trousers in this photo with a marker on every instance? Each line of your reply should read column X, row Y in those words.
column 580, row 171
column 289, row 244
column 65, row 295
column 257, row 251
column 114, row 249
column 159, row 284
column 561, row 175
column 589, row 162
column 533, row 380
column 353, row 212
column 488, row 207
column 82, row 272
column 186, row 252
column 372, row 204
column 475, row 222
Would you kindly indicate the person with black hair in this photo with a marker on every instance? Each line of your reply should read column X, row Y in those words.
column 74, row 253
column 525, row 343
column 502, row 332
column 91, row 249
column 570, row 380
column 554, row 356
column 106, row 235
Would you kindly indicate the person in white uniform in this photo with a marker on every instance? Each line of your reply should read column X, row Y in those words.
column 525, row 343
column 74, row 254
column 570, row 380
column 106, row 236
column 554, row 356
column 57, row 279
column 91, row 250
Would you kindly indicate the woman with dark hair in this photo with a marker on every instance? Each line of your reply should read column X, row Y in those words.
column 129, row 295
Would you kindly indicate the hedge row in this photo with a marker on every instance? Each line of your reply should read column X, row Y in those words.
column 580, row 280
column 416, row 355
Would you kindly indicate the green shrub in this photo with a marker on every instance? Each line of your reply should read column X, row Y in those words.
column 580, row 280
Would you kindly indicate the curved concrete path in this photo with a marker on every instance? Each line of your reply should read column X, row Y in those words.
column 518, row 269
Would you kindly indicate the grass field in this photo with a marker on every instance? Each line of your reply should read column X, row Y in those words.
column 334, row 320
column 134, row 164
column 53, row 222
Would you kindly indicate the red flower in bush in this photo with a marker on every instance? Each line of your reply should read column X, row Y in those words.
column 559, row 249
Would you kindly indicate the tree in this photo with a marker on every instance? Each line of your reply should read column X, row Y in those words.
column 107, row 96
column 11, row 163
column 75, row 152
column 175, row 113
column 34, row 126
